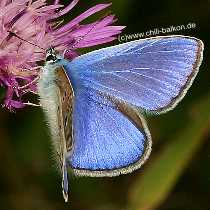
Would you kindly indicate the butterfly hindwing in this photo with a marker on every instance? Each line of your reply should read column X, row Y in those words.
column 66, row 95
column 110, row 137
column 65, row 109
column 153, row 74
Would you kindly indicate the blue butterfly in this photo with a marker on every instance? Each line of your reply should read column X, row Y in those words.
column 94, row 103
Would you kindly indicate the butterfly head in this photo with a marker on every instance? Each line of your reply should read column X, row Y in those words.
column 52, row 56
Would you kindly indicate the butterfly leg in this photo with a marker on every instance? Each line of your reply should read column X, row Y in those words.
column 32, row 104
column 30, row 83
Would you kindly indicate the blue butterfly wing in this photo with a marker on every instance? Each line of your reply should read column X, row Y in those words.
column 110, row 137
column 153, row 74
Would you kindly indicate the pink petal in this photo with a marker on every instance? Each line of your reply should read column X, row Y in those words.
column 106, row 21
column 38, row 4
column 33, row 23
column 94, row 32
column 3, row 3
column 83, row 16
column 66, row 10
column 48, row 8
column 90, row 43
column 11, row 104
column 56, row 2
column 71, row 54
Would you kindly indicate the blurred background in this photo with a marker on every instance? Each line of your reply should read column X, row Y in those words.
column 177, row 174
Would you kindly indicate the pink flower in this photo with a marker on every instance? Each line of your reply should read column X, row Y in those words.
column 28, row 28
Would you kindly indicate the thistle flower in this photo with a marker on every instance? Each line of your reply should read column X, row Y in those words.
column 29, row 27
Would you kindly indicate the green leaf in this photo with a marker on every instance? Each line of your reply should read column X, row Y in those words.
column 153, row 186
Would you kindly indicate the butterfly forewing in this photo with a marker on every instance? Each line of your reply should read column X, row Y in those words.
column 153, row 74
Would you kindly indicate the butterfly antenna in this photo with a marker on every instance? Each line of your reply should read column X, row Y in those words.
column 82, row 37
column 15, row 35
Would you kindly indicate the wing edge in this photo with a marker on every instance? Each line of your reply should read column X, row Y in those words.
column 189, row 82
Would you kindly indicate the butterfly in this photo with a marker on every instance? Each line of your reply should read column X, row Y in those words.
column 94, row 104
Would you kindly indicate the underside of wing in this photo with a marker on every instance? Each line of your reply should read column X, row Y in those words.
column 65, row 110
column 110, row 137
column 66, row 96
column 153, row 74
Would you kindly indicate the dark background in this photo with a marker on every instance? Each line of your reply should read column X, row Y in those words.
column 177, row 175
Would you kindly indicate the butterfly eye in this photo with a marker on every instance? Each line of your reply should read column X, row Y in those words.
column 51, row 57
